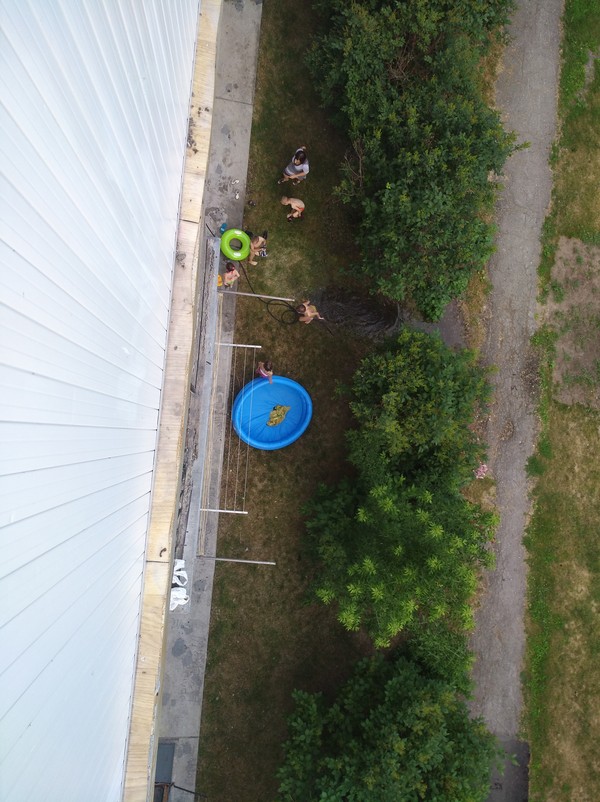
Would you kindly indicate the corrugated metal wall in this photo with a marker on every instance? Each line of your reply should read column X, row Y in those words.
column 94, row 125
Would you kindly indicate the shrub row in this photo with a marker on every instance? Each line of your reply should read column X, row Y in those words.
column 398, row 544
column 393, row 735
column 400, row 78
column 399, row 548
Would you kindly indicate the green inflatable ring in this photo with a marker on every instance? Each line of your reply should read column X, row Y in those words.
column 230, row 253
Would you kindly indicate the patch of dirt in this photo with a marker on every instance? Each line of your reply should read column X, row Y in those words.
column 573, row 311
column 589, row 70
column 482, row 492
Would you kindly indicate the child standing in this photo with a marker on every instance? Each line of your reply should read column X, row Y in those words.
column 231, row 275
column 265, row 370
column 298, row 208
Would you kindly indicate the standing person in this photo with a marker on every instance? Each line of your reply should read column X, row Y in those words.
column 257, row 247
column 265, row 370
column 298, row 208
column 307, row 312
column 297, row 169
column 231, row 275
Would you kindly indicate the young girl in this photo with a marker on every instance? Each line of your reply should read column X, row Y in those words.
column 231, row 275
column 265, row 370
column 297, row 205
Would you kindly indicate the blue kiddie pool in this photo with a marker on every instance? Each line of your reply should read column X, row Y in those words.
column 271, row 416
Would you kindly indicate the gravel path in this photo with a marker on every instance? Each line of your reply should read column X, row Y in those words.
column 526, row 92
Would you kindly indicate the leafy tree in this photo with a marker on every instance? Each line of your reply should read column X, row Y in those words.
column 392, row 735
column 414, row 401
column 445, row 652
column 401, row 80
column 395, row 558
column 426, row 20
column 426, row 185
column 399, row 546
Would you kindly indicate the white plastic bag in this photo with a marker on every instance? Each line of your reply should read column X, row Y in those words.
column 178, row 597
column 180, row 576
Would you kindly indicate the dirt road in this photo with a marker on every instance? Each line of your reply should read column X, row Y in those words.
column 526, row 93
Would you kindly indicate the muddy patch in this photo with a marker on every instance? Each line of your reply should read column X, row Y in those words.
column 365, row 315
column 376, row 317
column 573, row 312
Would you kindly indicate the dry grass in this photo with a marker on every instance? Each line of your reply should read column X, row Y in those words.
column 564, row 629
column 474, row 310
column 572, row 311
column 563, row 652
column 473, row 304
column 483, row 493
column 266, row 637
column 490, row 69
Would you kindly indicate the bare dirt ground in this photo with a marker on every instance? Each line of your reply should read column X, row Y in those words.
column 573, row 312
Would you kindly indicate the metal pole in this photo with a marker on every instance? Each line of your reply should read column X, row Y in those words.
column 231, row 560
column 233, row 512
column 239, row 345
column 255, row 295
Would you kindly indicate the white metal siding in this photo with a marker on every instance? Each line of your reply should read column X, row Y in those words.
column 94, row 124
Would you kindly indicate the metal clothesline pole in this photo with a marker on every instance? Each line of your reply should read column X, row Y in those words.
column 231, row 560
column 255, row 295
column 240, row 345
column 233, row 512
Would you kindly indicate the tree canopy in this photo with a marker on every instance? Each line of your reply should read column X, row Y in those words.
column 398, row 544
column 392, row 735
column 401, row 80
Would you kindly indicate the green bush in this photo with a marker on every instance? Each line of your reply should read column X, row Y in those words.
column 401, row 80
column 392, row 735
column 425, row 21
column 414, row 401
column 399, row 547
column 444, row 651
column 396, row 557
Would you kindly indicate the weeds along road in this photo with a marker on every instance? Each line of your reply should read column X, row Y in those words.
column 526, row 92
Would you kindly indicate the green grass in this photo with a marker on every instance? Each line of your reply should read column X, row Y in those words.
column 578, row 203
column 576, row 200
column 549, row 242
column 563, row 673
column 581, row 36
column 268, row 636
column 562, row 678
